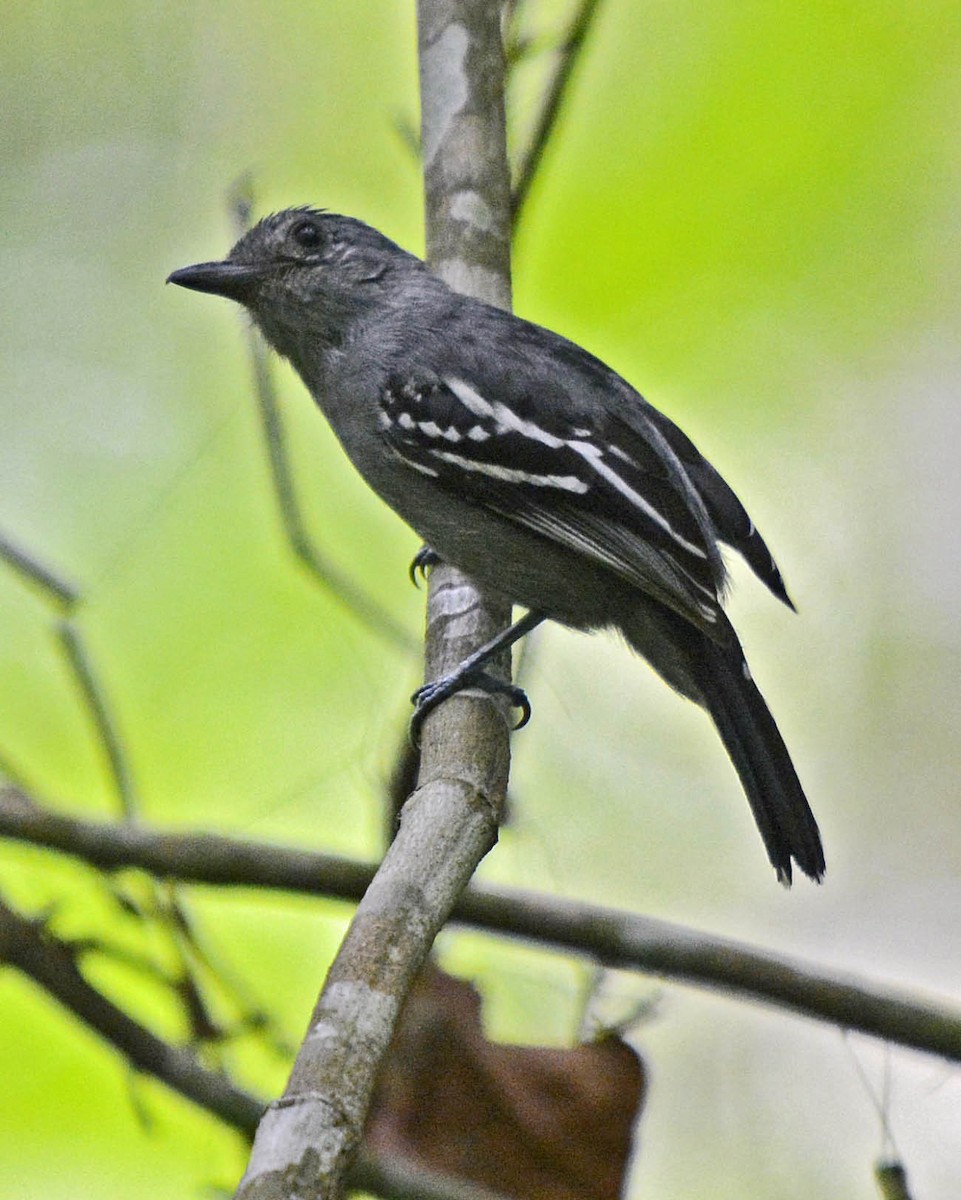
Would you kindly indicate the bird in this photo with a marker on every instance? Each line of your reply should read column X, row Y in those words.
column 525, row 461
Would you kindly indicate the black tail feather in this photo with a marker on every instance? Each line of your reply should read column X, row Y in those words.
column 762, row 761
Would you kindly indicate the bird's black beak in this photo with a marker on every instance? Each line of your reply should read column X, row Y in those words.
column 234, row 280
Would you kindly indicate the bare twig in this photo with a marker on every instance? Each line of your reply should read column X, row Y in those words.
column 194, row 956
column 53, row 585
column 103, row 721
column 67, row 598
column 52, row 964
column 616, row 939
column 338, row 583
column 567, row 55
column 168, row 910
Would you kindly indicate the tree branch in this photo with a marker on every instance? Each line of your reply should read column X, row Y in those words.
column 308, row 1138
column 52, row 964
column 616, row 939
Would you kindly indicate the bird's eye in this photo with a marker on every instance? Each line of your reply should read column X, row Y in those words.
column 307, row 234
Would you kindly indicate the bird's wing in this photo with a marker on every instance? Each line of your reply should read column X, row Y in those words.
column 727, row 518
column 728, row 515
column 611, row 490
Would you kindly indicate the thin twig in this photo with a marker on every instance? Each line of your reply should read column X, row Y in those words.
column 355, row 599
column 66, row 597
column 168, row 908
column 616, row 939
column 52, row 964
column 103, row 721
column 53, row 585
column 567, row 57
column 193, row 953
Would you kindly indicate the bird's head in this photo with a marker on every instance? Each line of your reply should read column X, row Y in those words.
column 305, row 274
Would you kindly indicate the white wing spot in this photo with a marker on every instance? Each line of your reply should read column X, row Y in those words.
column 508, row 419
column 567, row 483
column 469, row 398
column 424, row 470
column 593, row 455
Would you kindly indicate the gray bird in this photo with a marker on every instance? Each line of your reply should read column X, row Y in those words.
column 525, row 461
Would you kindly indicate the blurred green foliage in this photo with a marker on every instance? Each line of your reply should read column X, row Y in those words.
column 751, row 210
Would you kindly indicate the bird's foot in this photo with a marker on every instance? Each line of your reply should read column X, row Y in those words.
column 427, row 698
column 421, row 563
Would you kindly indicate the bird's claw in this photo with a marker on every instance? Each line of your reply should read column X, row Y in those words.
column 421, row 563
column 427, row 698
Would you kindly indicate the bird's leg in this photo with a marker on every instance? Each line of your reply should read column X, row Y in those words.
column 421, row 563
column 471, row 673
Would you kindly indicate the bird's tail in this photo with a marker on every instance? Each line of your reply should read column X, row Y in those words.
column 756, row 748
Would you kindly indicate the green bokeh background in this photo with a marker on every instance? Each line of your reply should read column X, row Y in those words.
column 751, row 209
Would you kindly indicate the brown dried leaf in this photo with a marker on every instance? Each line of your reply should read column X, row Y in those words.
column 529, row 1122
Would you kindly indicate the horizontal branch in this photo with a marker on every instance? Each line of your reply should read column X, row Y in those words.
column 617, row 939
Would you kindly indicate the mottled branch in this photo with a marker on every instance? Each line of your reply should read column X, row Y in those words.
column 308, row 1137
